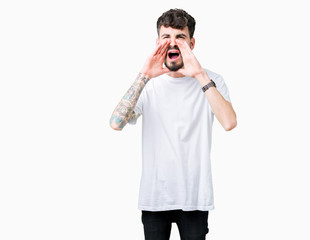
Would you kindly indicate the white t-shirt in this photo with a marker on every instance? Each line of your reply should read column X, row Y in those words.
column 176, row 143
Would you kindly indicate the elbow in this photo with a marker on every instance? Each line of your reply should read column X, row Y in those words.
column 116, row 123
column 115, row 127
column 230, row 125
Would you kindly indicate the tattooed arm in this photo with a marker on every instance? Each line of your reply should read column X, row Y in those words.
column 153, row 67
column 125, row 109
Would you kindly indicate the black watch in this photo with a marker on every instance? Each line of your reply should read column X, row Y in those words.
column 210, row 84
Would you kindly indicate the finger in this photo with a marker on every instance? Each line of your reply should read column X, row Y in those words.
column 164, row 48
column 162, row 54
column 162, row 59
column 157, row 49
column 183, row 43
column 183, row 46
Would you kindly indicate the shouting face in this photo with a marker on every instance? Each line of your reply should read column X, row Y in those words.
column 173, row 60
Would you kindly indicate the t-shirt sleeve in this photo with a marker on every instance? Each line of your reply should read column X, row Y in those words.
column 221, row 87
column 137, row 110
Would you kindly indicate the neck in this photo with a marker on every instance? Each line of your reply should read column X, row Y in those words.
column 175, row 75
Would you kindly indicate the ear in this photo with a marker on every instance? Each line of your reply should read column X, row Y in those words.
column 192, row 43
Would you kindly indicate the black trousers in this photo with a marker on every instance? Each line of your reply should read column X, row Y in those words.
column 192, row 225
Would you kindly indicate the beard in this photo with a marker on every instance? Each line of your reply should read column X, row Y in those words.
column 173, row 66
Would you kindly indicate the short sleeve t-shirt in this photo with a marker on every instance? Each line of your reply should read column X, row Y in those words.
column 176, row 142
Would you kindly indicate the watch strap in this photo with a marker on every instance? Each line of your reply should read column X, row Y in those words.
column 210, row 84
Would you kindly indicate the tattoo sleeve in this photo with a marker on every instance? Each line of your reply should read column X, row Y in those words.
column 124, row 111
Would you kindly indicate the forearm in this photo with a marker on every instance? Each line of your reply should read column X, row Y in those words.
column 124, row 110
column 221, row 108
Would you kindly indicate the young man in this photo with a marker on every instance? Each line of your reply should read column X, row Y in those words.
column 178, row 100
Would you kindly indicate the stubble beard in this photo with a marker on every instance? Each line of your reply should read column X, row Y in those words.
column 173, row 66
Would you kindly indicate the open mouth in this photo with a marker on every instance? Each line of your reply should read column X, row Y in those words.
column 173, row 54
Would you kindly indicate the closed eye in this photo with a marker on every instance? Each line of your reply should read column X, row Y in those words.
column 165, row 36
column 183, row 36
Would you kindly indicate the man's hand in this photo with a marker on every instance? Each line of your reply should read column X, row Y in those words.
column 192, row 67
column 153, row 66
column 221, row 108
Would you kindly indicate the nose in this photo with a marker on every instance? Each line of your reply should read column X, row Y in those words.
column 173, row 43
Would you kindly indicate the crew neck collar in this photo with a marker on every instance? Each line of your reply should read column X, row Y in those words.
column 177, row 79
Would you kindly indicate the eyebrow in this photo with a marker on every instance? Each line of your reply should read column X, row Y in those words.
column 178, row 35
column 181, row 35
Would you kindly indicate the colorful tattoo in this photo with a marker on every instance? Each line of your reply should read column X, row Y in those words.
column 125, row 109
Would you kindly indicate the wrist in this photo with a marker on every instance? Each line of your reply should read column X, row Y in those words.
column 143, row 77
column 207, row 86
column 203, row 78
column 144, row 71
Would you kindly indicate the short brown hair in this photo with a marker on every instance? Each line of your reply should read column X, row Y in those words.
column 177, row 18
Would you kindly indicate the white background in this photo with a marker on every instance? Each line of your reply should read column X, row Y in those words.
column 65, row 174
